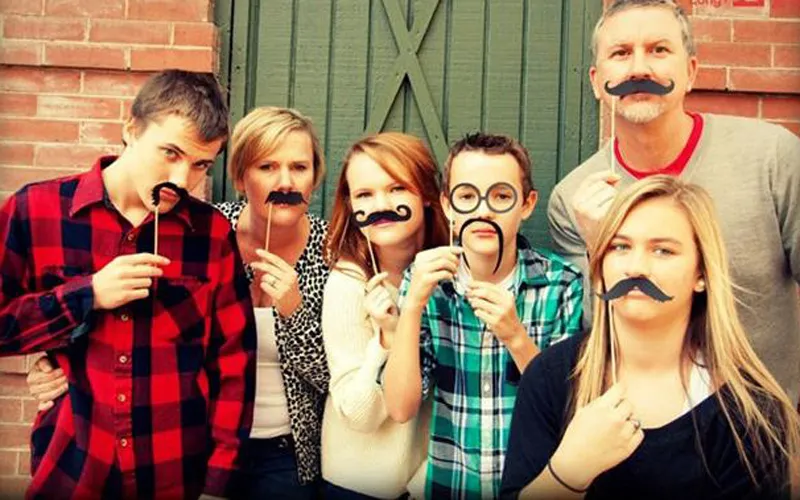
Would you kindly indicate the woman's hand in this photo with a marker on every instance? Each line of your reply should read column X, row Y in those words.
column 46, row 383
column 279, row 280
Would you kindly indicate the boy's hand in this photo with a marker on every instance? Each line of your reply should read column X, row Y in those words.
column 125, row 279
column 280, row 281
column 431, row 267
column 46, row 383
column 496, row 307
column 591, row 201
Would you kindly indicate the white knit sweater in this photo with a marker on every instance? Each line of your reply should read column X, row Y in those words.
column 362, row 448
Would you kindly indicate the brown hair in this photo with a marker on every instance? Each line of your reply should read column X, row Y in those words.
column 407, row 160
column 197, row 97
column 261, row 131
column 491, row 144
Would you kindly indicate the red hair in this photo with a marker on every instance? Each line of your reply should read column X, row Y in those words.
column 408, row 161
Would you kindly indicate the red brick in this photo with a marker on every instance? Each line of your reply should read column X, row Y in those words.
column 21, row 7
column 17, row 104
column 144, row 32
column 792, row 126
column 35, row 80
column 44, row 28
column 13, row 364
column 24, row 462
column 711, row 78
column 101, row 133
column 734, row 54
column 13, row 179
column 8, row 462
column 711, row 30
column 723, row 103
column 10, row 410
column 775, row 80
column 157, row 59
column 14, row 435
column 85, row 8
column 785, row 8
column 126, row 109
column 13, row 487
column 70, row 156
column 20, row 52
column 766, row 31
column 13, row 384
column 784, row 107
column 19, row 129
column 56, row 106
column 786, row 56
column 113, row 83
column 30, row 407
column 84, row 56
column 197, row 34
column 169, row 10
column 16, row 154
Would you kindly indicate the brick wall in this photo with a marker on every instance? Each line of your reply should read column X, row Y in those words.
column 68, row 72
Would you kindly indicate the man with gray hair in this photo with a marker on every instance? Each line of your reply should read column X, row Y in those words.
column 644, row 66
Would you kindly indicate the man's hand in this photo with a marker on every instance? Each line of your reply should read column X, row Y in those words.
column 591, row 202
column 125, row 279
column 45, row 383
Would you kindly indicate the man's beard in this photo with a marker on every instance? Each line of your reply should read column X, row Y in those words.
column 641, row 112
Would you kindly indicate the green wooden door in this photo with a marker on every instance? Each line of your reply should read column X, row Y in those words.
column 434, row 68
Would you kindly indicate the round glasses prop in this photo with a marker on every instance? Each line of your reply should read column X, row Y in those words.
column 465, row 198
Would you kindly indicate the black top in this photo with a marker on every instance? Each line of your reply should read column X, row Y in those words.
column 667, row 464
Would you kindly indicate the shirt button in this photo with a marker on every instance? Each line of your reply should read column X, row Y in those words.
column 121, row 398
column 123, row 359
column 131, row 237
column 487, row 387
column 123, row 442
column 124, row 317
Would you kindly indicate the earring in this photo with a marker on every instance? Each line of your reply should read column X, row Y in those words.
column 701, row 285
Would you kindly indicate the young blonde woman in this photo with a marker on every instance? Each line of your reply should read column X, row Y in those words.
column 389, row 179
column 275, row 150
column 664, row 398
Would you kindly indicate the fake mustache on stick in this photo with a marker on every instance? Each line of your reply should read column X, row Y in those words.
column 401, row 214
column 285, row 198
column 156, row 194
column 497, row 231
column 640, row 283
column 644, row 86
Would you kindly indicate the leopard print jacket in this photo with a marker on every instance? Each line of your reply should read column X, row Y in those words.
column 300, row 348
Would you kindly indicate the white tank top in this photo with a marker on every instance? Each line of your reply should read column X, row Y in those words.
column 271, row 411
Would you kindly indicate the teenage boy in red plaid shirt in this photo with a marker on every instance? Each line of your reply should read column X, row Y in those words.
column 158, row 349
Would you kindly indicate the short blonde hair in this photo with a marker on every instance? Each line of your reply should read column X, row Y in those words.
column 261, row 131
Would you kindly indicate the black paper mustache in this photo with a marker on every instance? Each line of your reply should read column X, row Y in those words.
column 156, row 194
column 641, row 283
column 497, row 230
column 285, row 198
column 645, row 86
column 401, row 214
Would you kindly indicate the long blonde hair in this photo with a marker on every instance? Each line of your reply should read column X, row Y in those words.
column 757, row 402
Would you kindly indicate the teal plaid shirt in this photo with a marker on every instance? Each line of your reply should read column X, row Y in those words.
column 474, row 377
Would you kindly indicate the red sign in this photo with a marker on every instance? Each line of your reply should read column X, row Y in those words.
column 748, row 3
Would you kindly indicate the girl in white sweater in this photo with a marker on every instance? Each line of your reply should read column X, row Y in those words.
column 388, row 180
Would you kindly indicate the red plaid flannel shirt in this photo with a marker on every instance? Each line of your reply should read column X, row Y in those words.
column 160, row 390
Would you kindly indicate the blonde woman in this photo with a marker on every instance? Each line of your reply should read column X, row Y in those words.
column 274, row 150
column 664, row 398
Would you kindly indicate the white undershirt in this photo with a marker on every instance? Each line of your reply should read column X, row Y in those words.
column 699, row 387
column 271, row 411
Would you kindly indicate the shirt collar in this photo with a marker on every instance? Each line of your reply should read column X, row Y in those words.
column 91, row 190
